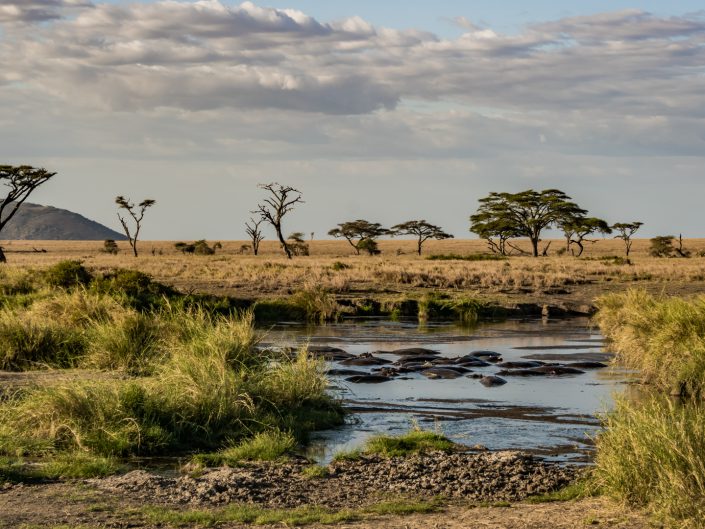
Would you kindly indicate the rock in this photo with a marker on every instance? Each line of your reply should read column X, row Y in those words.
column 492, row 381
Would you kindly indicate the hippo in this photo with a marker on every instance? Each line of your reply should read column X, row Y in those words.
column 365, row 359
column 587, row 365
column 344, row 372
column 415, row 359
column 492, row 381
column 439, row 372
column 368, row 379
column 541, row 371
column 489, row 356
column 457, row 369
column 411, row 351
column 520, row 364
column 471, row 361
column 328, row 352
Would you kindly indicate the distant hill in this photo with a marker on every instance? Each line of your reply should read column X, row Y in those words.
column 35, row 222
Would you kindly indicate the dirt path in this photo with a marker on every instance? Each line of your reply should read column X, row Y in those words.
column 75, row 506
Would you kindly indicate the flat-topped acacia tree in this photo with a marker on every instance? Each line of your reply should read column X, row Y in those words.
column 20, row 180
column 625, row 231
column 527, row 213
column 137, row 214
column 422, row 230
column 361, row 234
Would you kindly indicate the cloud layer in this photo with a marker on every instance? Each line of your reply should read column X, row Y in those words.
column 206, row 55
column 249, row 89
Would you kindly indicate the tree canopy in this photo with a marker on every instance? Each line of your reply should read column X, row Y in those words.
column 523, row 214
column 422, row 230
column 20, row 180
column 361, row 234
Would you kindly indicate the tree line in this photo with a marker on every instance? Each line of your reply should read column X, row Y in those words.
column 500, row 219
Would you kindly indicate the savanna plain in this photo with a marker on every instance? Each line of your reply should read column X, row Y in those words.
column 138, row 392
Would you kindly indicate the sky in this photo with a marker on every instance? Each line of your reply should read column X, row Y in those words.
column 387, row 111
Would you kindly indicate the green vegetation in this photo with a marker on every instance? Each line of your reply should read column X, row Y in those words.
column 307, row 515
column 584, row 487
column 264, row 446
column 441, row 306
column 413, row 442
column 315, row 471
column 179, row 376
column 652, row 450
column 663, row 338
column 652, row 454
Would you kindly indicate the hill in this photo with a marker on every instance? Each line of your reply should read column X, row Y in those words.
column 36, row 222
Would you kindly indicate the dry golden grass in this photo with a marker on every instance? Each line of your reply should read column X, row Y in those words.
column 397, row 271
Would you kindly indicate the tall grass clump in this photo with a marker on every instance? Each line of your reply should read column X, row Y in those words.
column 317, row 303
column 213, row 388
column 661, row 337
column 33, row 343
column 133, row 344
column 652, row 454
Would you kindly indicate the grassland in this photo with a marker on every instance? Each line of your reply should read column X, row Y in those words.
column 561, row 281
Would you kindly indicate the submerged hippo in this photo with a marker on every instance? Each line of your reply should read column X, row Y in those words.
column 440, row 372
column 489, row 356
column 492, row 381
column 416, row 359
column 365, row 359
column 368, row 379
column 471, row 361
column 328, row 352
column 411, row 351
column 541, row 371
column 587, row 365
column 528, row 364
column 344, row 372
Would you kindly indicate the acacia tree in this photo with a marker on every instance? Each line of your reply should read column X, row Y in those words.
column 361, row 234
column 21, row 181
column 137, row 214
column 625, row 232
column 280, row 201
column 254, row 233
column 528, row 212
column 490, row 228
column 582, row 227
column 422, row 230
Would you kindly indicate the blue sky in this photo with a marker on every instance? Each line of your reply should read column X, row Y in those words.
column 195, row 103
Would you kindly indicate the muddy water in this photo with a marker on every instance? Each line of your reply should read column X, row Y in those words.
column 552, row 416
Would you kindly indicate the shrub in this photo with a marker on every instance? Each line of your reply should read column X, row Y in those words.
column 414, row 442
column 471, row 257
column 67, row 274
column 110, row 246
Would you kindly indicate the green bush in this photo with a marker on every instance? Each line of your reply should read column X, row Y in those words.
column 67, row 274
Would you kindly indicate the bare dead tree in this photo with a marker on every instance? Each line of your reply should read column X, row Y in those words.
column 137, row 214
column 280, row 201
column 21, row 181
column 254, row 233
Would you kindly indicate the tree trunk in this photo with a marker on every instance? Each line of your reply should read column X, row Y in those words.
column 580, row 245
column 287, row 251
column 535, row 246
column 419, row 247
column 3, row 259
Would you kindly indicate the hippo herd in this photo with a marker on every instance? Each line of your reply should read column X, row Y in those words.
column 430, row 364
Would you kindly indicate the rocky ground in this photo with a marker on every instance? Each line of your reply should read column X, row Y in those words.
column 477, row 477
column 460, row 480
